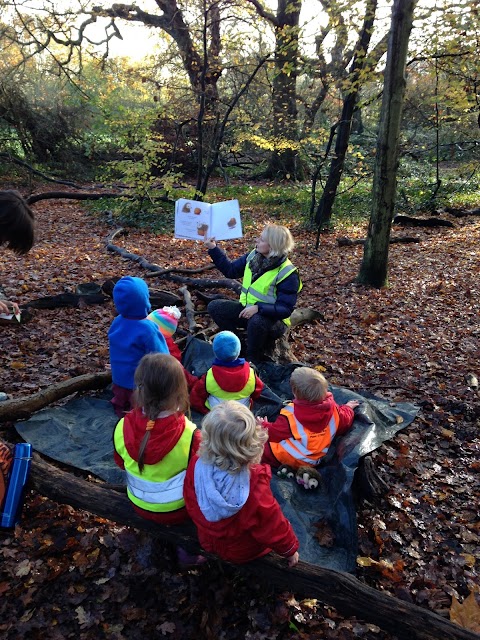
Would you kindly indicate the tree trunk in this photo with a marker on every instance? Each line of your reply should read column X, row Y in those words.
column 324, row 210
column 283, row 162
column 374, row 267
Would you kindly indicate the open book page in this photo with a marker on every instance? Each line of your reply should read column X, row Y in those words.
column 196, row 220
column 192, row 219
column 226, row 222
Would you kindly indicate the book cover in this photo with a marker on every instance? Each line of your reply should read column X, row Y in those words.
column 196, row 220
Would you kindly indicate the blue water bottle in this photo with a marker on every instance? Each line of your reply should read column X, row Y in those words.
column 16, row 482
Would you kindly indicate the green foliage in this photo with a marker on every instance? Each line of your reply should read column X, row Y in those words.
column 417, row 183
column 286, row 203
column 155, row 216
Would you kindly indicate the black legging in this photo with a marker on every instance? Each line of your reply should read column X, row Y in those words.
column 260, row 329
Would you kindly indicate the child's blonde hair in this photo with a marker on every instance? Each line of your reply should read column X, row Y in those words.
column 308, row 384
column 160, row 386
column 279, row 238
column 231, row 437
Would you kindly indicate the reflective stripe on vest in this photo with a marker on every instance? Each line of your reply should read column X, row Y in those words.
column 264, row 288
column 156, row 492
column 216, row 394
column 160, row 487
column 298, row 449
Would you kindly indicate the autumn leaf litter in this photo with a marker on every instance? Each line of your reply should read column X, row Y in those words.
column 416, row 341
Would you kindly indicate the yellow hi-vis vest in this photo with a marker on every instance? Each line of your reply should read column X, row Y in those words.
column 216, row 394
column 305, row 447
column 264, row 288
column 160, row 487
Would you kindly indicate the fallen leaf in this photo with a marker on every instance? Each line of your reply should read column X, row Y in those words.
column 467, row 613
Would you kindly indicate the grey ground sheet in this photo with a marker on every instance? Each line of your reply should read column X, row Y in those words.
column 79, row 434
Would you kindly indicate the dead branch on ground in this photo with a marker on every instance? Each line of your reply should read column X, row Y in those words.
column 189, row 310
column 23, row 407
column 348, row 242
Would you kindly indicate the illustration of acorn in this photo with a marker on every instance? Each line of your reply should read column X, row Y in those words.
column 202, row 229
column 232, row 223
column 197, row 211
column 186, row 207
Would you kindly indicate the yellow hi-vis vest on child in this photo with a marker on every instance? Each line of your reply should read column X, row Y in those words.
column 216, row 394
column 160, row 487
column 264, row 288
column 305, row 447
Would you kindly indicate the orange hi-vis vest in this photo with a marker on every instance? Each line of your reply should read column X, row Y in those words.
column 305, row 447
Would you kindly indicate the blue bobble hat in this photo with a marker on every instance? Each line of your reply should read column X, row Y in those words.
column 226, row 346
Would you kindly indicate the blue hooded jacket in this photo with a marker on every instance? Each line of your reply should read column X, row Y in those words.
column 131, row 335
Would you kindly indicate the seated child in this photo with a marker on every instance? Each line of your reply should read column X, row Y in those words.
column 227, row 492
column 166, row 320
column 229, row 378
column 155, row 441
column 305, row 428
column 130, row 337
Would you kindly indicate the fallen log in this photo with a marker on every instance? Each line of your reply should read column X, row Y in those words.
column 158, row 298
column 341, row 590
column 462, row 213
column 189, row 310
column 66, row 300
column 23, row 407
column 72, row 195
column 301, row 315
column 348, row 242
column 156, row 274
column 172, row 273
column 421, row 222
column 208, row 297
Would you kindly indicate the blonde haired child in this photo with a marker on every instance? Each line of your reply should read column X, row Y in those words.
column 155, row 441
column 305, row 428
column 227, row 491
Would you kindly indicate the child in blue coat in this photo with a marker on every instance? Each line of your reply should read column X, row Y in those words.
column 131, row 336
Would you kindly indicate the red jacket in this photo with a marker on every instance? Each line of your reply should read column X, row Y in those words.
column 230, row 379
column 163, row 437
column 177, row 354
column 256, row 529
column 314, row 416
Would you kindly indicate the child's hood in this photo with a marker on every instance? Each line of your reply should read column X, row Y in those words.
column 314, row 415
column 132, row 298
column 230, row 378
column 220, row 494
column 163, row 437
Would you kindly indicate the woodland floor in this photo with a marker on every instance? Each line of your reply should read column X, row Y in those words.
column 67, row 574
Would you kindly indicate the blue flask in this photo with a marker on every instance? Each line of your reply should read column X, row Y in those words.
column 16, row 482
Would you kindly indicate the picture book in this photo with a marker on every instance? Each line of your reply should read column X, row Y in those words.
column 199, row 220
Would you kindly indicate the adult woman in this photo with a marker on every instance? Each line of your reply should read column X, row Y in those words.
column 269, row 289
column 16, row 230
